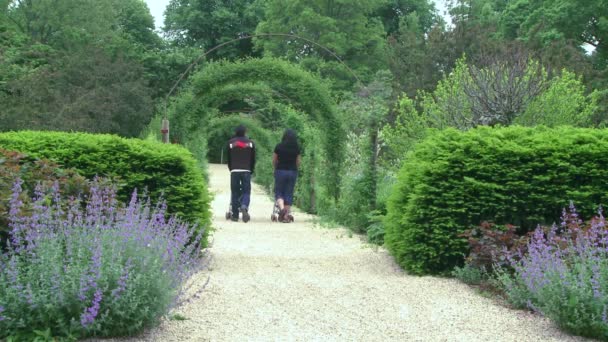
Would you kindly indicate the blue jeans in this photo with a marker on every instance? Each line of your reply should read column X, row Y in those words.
column 284, row 184
column 240, row 186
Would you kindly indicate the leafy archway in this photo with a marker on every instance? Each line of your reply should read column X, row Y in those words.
column 218, row 83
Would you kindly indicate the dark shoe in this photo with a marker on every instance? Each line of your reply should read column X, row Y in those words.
column 282, row 214
column 245, row 212
column 234, row 219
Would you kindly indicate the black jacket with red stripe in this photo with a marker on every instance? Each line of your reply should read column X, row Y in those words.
column 241, row 154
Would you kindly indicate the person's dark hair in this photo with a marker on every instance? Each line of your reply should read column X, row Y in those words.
column 290, row 138
column 240, row 131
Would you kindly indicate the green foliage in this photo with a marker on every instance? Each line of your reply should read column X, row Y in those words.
column 163, row 170
column 563, row 103
column 77, row 65
column 77, row 20
column 300, row 89
column 493, row 93
column 414, row 55
column 376, row 218
column 522, row 176
column 85, row 90
column 362, row 115
column 207, row 23
column 448, row 105
column 551, row 20
column 400, row 137
column 469, row 274
column 66, row 23
column 504, row 92
column 375, row 229
column 350, row 29
column 392, row 13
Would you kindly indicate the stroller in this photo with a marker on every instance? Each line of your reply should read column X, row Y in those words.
column 274, row 217
column 246, row 218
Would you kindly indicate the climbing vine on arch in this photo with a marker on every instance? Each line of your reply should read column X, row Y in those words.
column 289, row 84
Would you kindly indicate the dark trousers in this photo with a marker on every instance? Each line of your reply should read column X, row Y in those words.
column 284, row 184
column 240, row 186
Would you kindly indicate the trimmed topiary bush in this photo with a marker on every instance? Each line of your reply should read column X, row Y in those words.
column 455, row 180
column 166, row 170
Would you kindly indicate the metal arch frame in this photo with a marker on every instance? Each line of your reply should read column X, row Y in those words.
column 251, row 36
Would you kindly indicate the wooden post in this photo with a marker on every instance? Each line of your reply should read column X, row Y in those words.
column 164, row 131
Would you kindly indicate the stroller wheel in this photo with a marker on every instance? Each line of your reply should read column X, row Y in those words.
column 228, row 215
column 273, row 218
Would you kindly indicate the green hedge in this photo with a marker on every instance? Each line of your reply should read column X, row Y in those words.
column 169, row 170
column 524, row 176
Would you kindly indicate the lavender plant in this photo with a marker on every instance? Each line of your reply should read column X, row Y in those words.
column 564, row 275
column 93, row 267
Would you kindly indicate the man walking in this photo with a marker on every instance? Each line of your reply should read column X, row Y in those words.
column 241, row 163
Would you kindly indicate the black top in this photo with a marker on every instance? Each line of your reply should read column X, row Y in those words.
column 241, row 154
column 287, row 155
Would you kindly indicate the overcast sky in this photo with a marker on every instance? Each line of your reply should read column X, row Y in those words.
column 157, row 7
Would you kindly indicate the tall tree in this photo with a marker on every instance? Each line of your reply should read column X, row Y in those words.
column 413, row 56
column 54, row 22
column 83, row 90
column 136, row 23
column 207, row 23
column 76, row 64
column 393, row 11
column 348, row 28
column 66, row 23
column 550, row 20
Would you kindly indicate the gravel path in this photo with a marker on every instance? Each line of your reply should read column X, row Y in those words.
column 297, row 282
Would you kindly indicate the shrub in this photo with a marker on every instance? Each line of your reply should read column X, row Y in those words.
column 99, row 270
column 376, row 230
column 453, row 181
column 166, row 170
column 489, row 245
column 15, row 165
column 564, row 275
column 469, row 274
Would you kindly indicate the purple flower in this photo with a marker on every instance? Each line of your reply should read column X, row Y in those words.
column 122, row 281
column 2, row 318
column 91, row 312
column 73, row 249
column 563, row 264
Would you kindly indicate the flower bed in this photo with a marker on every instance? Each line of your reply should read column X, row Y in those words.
column 91, row 268
column 564, row 275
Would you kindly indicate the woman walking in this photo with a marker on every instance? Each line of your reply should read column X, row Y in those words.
column 286, row 161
